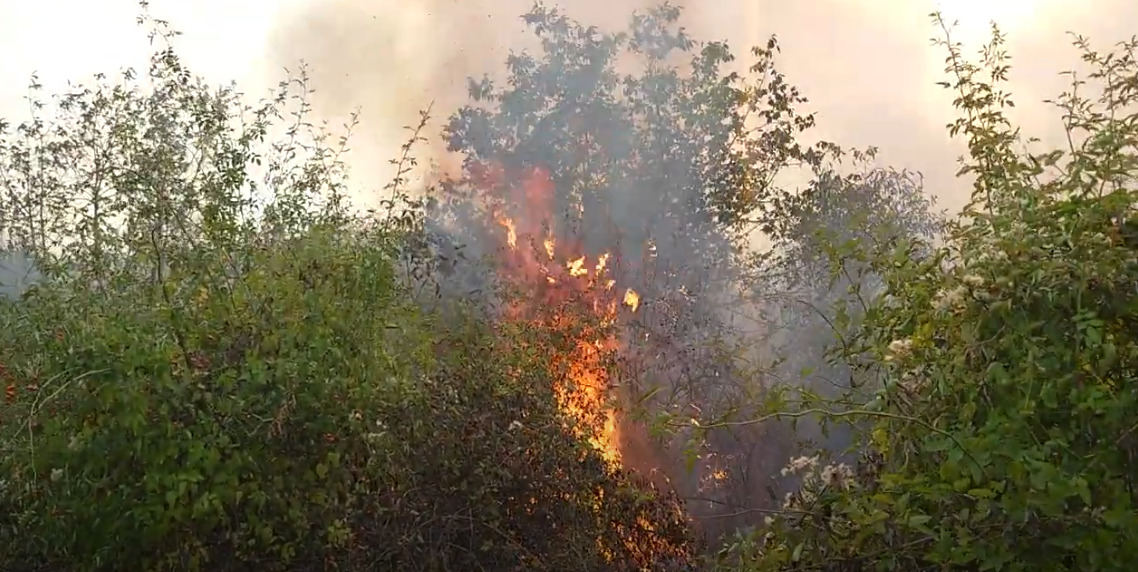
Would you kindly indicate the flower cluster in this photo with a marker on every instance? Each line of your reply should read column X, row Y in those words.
column 815, row 481
column 898, row 349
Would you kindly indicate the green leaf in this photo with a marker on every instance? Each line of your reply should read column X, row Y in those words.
column 919, row 520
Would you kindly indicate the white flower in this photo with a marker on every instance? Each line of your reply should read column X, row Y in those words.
column 837, row 476
column 899, row 348
column 951, row 300
column 798, row 464
column 515, row 425
column 973, row 280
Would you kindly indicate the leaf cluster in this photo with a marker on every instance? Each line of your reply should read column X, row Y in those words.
column 1002, row 435
column 224, row 367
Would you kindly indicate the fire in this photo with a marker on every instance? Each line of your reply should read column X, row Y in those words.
column 533, row 252
column 573, row 293
column 631, row 299
column 511, row 232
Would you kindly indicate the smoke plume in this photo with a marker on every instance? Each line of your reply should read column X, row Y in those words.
column 865, row 66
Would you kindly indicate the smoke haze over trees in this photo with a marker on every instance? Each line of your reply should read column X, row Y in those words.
column 347, row 46
column 867, row 66
column 563, row 350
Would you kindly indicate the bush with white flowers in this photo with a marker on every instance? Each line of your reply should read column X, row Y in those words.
column 1003, row 435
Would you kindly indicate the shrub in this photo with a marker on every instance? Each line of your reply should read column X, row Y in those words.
column 1003, row 436
column 222, row 369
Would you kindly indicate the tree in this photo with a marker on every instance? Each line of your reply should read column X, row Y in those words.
column 817, row 280
column 222, row 367
column 1001, row 437
column 668, row 166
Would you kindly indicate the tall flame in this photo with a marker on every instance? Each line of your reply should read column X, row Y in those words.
column 534, row 253
column 573, row 293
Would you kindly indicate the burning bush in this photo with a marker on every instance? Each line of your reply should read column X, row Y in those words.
column 510, row 483
column 212, row 376
column 653, row 163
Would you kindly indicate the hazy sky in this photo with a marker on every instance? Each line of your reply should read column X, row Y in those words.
column 866, row 65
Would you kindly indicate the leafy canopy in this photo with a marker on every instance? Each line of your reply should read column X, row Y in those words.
column 1002, row 437
column 223, row 367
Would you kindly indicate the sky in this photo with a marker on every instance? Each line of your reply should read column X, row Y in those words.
column 866, row 65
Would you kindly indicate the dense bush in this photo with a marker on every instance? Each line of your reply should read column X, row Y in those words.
column 222, row 368
column 664, row 157
column 1002, row 438
column 221, row 365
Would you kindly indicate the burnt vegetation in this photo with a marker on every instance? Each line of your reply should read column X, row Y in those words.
column 569, row 356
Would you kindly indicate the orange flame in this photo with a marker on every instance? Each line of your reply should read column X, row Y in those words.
column 586, row 395
column 631, row 299
column 511, row 232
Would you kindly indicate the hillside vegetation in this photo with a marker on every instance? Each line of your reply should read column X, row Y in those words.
column 212, row 360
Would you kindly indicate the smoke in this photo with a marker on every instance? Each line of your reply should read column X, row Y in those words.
column 391, row 58
column 866, row 67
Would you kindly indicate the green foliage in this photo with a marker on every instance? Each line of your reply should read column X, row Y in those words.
column 677, row 150
column 224, row 427
column 503, row 459
column 1002, row 436
column 223, row 368
column 667, row 154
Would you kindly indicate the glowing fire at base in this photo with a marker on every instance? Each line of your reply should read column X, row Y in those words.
column 591, row 391
column 533, row 262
